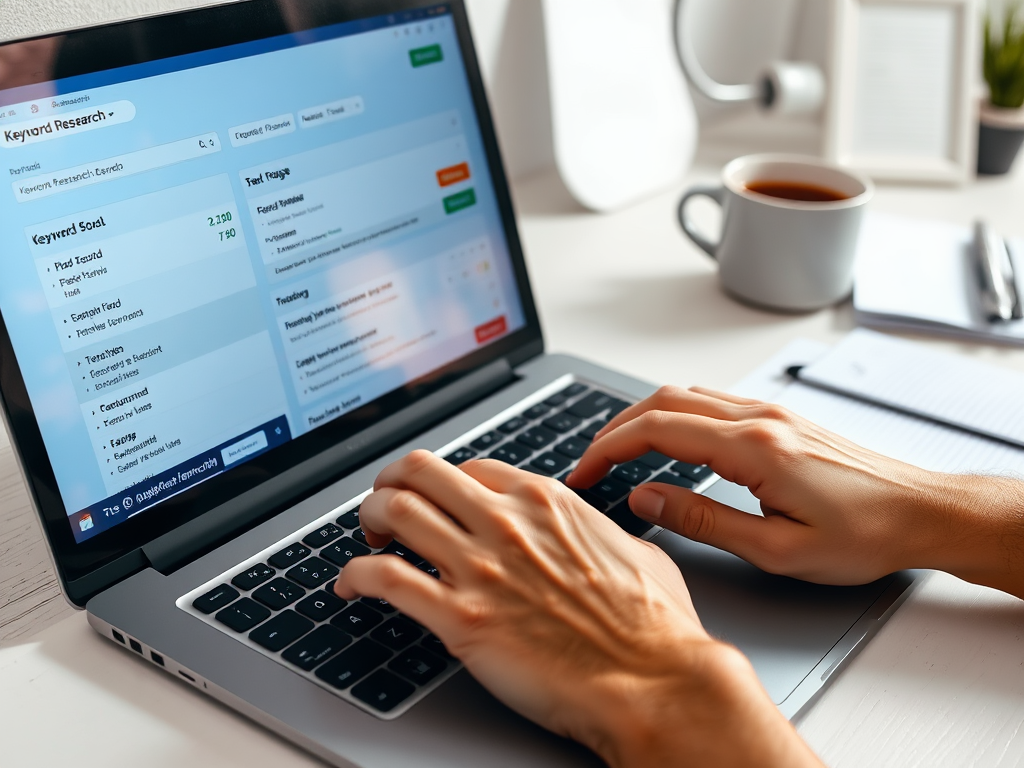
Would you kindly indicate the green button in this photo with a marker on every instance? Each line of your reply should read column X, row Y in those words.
column 457, row 202
column 422, row 56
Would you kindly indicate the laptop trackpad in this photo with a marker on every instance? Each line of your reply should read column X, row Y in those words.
column 784, row 626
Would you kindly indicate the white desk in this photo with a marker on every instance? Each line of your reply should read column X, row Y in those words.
column 941, row 684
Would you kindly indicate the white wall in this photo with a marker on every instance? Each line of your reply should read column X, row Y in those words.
column 733, row 37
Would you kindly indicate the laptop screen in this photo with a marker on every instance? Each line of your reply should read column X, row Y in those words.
column 206, row 257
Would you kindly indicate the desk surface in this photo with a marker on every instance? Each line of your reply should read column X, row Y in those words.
column 941, row 684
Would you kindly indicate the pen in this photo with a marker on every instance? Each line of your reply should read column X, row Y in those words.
column 1000, row 298
column 794, row 372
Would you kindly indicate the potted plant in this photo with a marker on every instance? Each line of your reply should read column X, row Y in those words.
column 1002, row 115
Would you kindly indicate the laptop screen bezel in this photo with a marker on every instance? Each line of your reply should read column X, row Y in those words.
column 161, row 37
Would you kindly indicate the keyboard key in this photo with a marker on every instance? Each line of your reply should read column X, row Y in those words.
column 574, row 389
column 511, row 453
column 320, row 606
column 253, row 577
column 343, row 551
column 513, row 425
column 595, row 501
column 590, row 431
column 654, row 460
column 378, row 604
column 489, row 440
column 563, row 422
column 417, row 665
column 312, row 573
column 323, row 536
column 316, row 647
column 616, row 408
column 353, row 664
column 673, row 479
column 537, row 437
column 556, row 400
column 278, row 594
column 404, row 552
column 591, row 405
column 429, row 569
column 610, row 489
column 349, row 520
column 215, row 599
column 691, row 471
column 397, row 633
column 357, row 619
column 460, row 455
column 290, row 555
column 383, row 691
column 551, row 463
column 623, row 517
column 574, row 447
column 632, row 473
column 433, row 643
column 360, row 535
column 243, row 615
column 536, row 411
column 281, row 631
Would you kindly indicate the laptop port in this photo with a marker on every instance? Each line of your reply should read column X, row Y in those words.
column 157, row 658
column 136, row 646
column 186, row 676
column 117, row 636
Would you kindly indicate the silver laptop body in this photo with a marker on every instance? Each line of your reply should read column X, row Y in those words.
column 252, row 254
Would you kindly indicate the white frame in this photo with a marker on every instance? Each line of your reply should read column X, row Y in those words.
column 840, row 116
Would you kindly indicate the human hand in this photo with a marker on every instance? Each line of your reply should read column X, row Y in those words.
column 586, row 631
column 834, row 512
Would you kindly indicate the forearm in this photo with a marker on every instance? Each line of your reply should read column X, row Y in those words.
column 976, row 530
column 708, row 710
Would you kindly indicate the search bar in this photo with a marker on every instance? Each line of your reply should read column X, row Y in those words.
column 118, row 167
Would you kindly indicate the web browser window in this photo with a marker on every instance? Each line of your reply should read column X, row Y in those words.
column 205, row 257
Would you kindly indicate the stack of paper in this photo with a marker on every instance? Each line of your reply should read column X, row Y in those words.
column 919, row 275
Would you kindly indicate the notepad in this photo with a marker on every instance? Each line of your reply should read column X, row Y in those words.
column 917, row 274
column 908, row 376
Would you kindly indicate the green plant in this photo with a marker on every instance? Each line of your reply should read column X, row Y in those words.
column 1004, row 56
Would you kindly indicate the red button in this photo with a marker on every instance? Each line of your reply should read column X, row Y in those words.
column 491, row 329
column 453, row 175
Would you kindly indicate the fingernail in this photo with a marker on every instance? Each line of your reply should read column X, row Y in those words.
column 647, row 503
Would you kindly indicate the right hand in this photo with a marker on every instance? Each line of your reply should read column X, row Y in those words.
column 834, row 513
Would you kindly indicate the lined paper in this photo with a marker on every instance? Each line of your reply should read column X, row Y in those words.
column 911, row 377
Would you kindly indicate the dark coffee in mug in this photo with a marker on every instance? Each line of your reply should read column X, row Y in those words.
column 795, row 190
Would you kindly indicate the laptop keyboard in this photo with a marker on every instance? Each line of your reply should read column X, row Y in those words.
column 282, row 603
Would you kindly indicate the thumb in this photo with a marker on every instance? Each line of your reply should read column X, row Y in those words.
column 760, row 541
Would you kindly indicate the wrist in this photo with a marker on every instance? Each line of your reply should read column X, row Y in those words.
column 705, row 706
column 975, row 528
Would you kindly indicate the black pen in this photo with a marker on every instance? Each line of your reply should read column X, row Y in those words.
column 794, row 372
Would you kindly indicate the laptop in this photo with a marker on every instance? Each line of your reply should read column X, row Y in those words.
column 251, row 254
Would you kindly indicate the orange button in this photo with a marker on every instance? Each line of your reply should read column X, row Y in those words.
column 448, row 176
column 491, row 329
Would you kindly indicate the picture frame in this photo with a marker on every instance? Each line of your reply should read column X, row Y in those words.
column 902, row 97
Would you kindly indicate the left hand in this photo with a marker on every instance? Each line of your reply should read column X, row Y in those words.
column 583, row 629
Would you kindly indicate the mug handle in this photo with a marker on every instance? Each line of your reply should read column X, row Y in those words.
column 715, row 193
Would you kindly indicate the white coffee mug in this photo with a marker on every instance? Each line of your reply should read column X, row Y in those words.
column 779, row 253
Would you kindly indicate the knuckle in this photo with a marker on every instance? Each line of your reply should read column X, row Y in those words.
column 653, row 420
column 668, row 393
column 485, row 569
column 473, row 614
column 773, row 412
column 391, row 572
column 698, row 521
column 417, row 461
column 403, row 505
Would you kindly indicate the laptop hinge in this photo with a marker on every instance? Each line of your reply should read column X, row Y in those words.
column 197, row 537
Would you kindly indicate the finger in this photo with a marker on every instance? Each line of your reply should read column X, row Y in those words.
column 683, row 436
column 440, row 483
column 726, row 396
column 676, row 400
column 409, row 589
column 414, row 521
column 772, row 544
